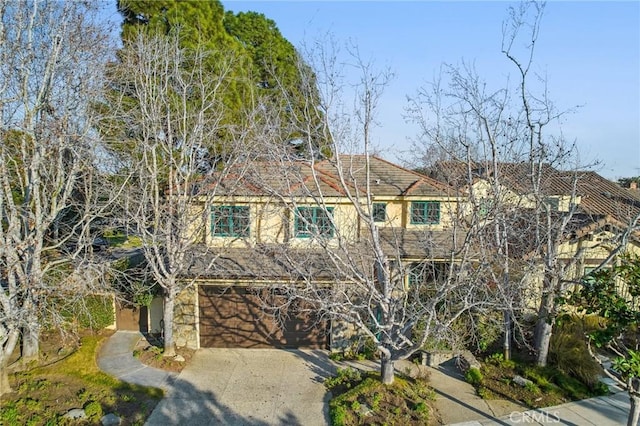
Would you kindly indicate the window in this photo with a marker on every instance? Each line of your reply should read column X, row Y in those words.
column 553, row 203
column 230, row 221
column 485, row 206
column 379, row 212
column 426, row 272
column 313, row 221
column 425, row 212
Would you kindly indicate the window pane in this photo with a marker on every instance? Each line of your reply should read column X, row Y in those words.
column 417, row 212
column 433, row 212
column 425, row 212
column 323, row 223
column 241, row 221
column 304, row 218
column 313, row 221
column 230, row 221
column 379, row 212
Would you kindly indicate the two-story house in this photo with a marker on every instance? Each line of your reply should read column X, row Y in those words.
column 267, row 227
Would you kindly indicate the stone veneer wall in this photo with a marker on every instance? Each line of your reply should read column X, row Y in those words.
column 343, row 336
column 185, row 329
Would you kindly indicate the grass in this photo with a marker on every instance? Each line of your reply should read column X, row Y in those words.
column 43, row 395
column 361, row 399
column 117, row 238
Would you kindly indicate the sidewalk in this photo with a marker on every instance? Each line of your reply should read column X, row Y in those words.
column 116, row 358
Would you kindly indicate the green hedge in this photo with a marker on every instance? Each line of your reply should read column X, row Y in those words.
column 91, row 312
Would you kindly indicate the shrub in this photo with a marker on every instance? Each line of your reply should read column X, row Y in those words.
column 344, row 377
column 336, row 356
column 473, row 376
column 498, row 359
column 484, row 393
column 359, row 350
column 91, row 312
column 9, row 413
column 532, row 387
column 421, row 407
column 93, row 410
column 338, row 415
column 375, row 403
column 490, row 330
column 568, row 350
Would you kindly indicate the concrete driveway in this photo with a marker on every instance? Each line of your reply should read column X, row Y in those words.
column 248, row 387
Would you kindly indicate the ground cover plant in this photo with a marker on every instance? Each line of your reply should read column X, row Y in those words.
column 44, row 394
column 360, row 398
column 544, row 386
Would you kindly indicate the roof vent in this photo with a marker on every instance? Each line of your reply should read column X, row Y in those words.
column 377, row 181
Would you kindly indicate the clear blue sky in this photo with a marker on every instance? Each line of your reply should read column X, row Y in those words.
column 590, row 52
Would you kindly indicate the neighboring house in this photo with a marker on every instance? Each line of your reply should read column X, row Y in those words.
column 271, row 227
column 596, row 217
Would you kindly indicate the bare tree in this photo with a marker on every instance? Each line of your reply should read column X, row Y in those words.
column 167, row 109
column 51, row 57
column 348, row 264
column 521, row 174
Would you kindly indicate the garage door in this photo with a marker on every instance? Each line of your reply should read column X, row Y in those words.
column 235, row 317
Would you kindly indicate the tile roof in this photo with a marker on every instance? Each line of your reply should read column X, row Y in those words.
column 284, row 264
column 599, row 197
column 517, row 176
column 385, row 178
column 280, row 263
column 303, row 178
column 422, row 244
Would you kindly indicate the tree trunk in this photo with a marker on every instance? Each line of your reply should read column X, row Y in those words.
column 507, row 335
column 6, row 350
column 544, row 329
column 30, row 342
column 634, row 397
column 168, row 309
column 387, row 373
column 5, row 387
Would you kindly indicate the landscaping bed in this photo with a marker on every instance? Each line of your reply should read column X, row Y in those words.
column 43, row 395
column 360, row 398
column 523, row 382
column 150, row 353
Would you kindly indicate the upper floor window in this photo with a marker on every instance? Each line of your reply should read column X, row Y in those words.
column 553, row 203
column 485, row 206
column 379, row 212
column 313, row 221
column 425, row 212
column 230, row 221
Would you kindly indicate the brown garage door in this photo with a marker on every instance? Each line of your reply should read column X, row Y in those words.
column 235, row 317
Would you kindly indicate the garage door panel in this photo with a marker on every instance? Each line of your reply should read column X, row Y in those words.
column 236, row 317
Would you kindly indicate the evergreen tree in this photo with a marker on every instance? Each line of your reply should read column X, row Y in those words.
column 266, row 68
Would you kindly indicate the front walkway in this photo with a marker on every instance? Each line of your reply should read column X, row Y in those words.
column 116, row 358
